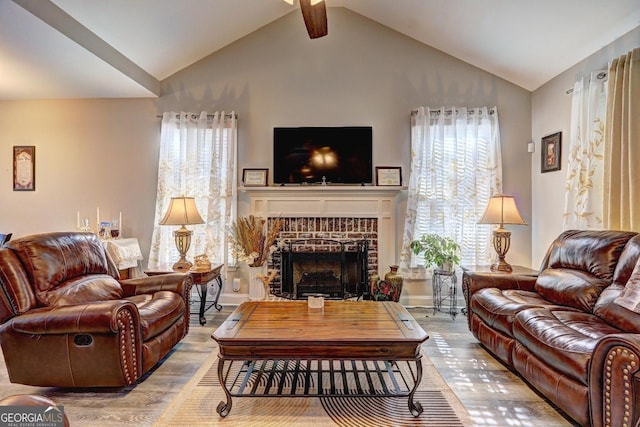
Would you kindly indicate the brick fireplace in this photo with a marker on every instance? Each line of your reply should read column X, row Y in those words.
column 333, row 255
column 338, row 213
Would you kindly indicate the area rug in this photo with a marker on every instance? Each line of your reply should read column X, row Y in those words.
column 195, row 405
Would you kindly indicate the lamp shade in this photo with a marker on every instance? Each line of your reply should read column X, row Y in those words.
column 182, row 211
column 502, row 210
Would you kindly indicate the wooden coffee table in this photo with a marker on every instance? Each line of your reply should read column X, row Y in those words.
column 347, row 348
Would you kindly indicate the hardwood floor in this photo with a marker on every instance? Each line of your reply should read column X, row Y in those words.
column 493, row 395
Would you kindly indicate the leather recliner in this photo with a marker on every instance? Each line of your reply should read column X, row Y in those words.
column 68, row 321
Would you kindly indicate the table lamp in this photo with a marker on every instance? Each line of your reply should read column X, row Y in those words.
column 501, row 210
column 182, row 211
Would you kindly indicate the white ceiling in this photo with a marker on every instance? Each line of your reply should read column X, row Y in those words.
column 123, row 48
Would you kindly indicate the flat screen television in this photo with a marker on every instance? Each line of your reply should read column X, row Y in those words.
column 335, row 155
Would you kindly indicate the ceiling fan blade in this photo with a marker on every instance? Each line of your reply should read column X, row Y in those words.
column 315, row 18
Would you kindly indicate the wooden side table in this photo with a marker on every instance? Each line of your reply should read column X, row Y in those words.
column 200, row 278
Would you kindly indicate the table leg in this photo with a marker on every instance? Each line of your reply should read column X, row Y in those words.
column 202, row 291
column 415, row 407
column 215, row 303
column 223, row 408
column 454, row 297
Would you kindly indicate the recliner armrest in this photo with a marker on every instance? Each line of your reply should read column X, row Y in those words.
column 614, row 381
column 93, row 317
column 176, row 282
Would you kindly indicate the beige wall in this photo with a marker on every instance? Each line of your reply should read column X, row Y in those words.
column 551, row 112
column 104, row 152
column 89, row 154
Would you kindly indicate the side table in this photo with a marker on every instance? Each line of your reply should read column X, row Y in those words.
column 441, row 278
column 200, row 278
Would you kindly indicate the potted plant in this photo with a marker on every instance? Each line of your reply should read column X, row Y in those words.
column 437, row 250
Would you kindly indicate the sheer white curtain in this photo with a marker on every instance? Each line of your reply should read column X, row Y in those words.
column 584, row 189
column 197, row 159
column 456, row 166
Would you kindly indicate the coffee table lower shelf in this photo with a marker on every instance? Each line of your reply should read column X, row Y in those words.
column 319, row 378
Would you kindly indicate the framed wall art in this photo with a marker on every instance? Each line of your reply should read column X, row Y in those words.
column 255, row 177
column 24, row 168
column 389, row 176
column 551, row 150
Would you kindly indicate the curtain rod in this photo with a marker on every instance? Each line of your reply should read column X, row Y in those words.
column 196, row 115
column 601, row 75
column 450, row 111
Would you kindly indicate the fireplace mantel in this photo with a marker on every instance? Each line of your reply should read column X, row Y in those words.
column 324, row 190
column 337, row 202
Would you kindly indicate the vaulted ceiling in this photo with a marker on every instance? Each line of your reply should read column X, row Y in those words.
column 124, row 48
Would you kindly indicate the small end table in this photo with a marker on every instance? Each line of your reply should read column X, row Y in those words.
column 200, row 278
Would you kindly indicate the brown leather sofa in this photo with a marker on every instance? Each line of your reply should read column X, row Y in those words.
column 68, row 321
column 572, row 332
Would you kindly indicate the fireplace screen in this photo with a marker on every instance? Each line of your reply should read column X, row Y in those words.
column 334, row 269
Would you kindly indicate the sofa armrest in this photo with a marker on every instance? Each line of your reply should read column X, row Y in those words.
column 93, row 317
column 473, row 281
column 176, row 282
column 614, row 381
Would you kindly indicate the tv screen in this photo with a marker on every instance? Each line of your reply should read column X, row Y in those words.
column 335, row 155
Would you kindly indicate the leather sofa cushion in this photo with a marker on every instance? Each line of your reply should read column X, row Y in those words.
column 627, row 262
column 630, row 296
column 565, row 340
column 608, row 310
column 18, row 297
column 83, row 289
column 571, row 288
column 595, row 252
column 497, row 308
column 158, row 311
column 53, row 258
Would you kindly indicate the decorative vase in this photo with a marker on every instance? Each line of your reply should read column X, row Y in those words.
column 373, row 284
column 395, row 280
column 256, row 286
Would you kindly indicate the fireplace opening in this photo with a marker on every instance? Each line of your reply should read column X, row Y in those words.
column 331, row 268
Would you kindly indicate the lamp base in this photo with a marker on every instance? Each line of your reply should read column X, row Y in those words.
column 182, row 264
column 502, row 266
column 501, row 243
column 183, row 241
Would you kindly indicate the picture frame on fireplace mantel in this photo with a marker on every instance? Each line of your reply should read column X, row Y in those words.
column 24, row 168
column 255, row 177
column 388, row 176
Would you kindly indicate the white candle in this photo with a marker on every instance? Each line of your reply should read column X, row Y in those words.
column 78, row 221
column 120, row 223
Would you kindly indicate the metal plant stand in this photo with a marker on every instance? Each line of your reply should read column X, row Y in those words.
column 447, row 280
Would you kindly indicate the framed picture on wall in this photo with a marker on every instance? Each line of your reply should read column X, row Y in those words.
column 255, row 177
column 24, row 168
column 551, row 152
column 389, row 176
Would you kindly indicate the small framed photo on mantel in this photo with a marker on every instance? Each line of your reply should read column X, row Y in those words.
column 389, row 176
column 255, row 177
column 551, row 152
